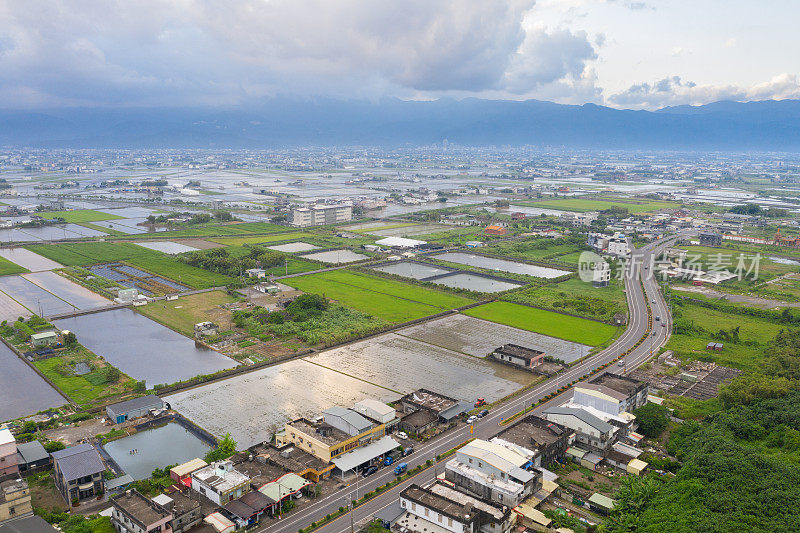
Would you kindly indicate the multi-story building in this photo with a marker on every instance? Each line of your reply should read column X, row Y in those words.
column 338, row 434
column 539, row 440
column 15, row 500
column 78, row 472
column 493, row 472
column 611, row 393
column 440, row 508
column 186, row 512
column 220, row 482
column 589, row 425
column 8, row 454
column 320, row 215
column 132, row 512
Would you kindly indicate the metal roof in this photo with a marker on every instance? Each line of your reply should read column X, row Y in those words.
column 583, row 415
column 143, row 402
column 351, row 417
column 78, row 461
column 29, row 524
column 32, row 451
column 350, row 460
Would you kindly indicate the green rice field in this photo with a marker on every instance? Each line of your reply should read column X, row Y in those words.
column 83, row 215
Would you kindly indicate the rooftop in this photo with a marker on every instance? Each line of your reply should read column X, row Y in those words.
column 142, row 402
column 533, row 433
column 519, row 351
column 434, row 501
column 221, row 476
column 11, row 486
column 78, row 461
column 352, row 418
column 621, row 384
column 329, row 434
column 583, row 415
column 430, row 400
column 446, row 491
column 32, row 451
column 6, row 437
column 29, row 524
column 139, row 508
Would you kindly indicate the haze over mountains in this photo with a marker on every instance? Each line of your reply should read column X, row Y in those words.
column 728, row 126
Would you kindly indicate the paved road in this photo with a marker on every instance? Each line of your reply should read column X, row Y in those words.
column 638, row 325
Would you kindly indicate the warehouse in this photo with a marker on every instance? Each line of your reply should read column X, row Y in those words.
column 135, row 408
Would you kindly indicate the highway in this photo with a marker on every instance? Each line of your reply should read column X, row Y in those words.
column 639, row 325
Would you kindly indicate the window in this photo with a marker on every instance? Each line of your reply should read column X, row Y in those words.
column 427, row 512
column 413, row 506
column 500, row 497
column 439, row 517
column 450, row 522
column 470, row 460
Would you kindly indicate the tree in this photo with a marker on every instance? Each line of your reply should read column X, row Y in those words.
column 53, row 446
column 112, row 374
column 69, row 338
column 652, row 419
column 225, row 448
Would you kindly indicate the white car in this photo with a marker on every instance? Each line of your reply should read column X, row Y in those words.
column 402, row 435
column 471, row 419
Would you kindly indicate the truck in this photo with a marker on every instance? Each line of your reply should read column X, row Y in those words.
column 399, row 469
column 480, row 402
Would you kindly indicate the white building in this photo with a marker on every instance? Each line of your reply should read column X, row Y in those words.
column 220, row 482
column 319, row 215
column 590, row 429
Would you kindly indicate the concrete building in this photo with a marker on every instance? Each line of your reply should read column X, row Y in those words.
column 341, row 436
column 539, row 440
column 320, row 215
column 590, row 430
column 182, row 473
column 220, row 482
column 519, row 356
column 375, row 410
column 8, row 454
column 442, row 509
column 131, row 512
column 710, row 239
column 601, row 274
column 186, row 512
column 611, row 393
column 78, row 472
column 46, row 338
column 29, row 524
column 15, row 500
column 135, row 408
column 205, row 329
column 579, row 219
column 258, row 273
column 493, row 472
column 443, row 408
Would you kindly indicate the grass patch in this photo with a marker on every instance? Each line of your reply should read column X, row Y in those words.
column 90, row 253
column 82, row 215
column 183, row 313
column 217, row 230
column 545, row 322
column 389, row 300
column 634, row 206
column 9, row 267
column 89, row 387
column 239, row 241
column 576, row 297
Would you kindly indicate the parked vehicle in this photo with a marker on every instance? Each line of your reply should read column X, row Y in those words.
column 621, row 362
column 471, row 419
column 663, row 324
column 480, row 402
column 369, row 471
column 408, row 451
column 402, row 435
column 399, row 469
column 658, row 318
column 483, row 413
column 389, row 460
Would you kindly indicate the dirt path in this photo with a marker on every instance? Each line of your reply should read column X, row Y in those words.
column 755, row 301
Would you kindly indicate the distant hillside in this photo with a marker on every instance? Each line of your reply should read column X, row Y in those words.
column 767, row 125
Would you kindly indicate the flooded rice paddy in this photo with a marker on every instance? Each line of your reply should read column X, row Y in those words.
column 22, row 391
column 48, row 233
column 476, row 337
column 335, row 256
column 155, row 448
column 32, row 296
column 168, row 247
column 410, row 269
column 475, row 282
column 133, row 278
column 27, row 259
column 252, row 406
column 500, row 264
column 293, row 247
column 142, row 348
column 72, row 293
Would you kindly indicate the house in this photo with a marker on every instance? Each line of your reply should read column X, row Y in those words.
column 341, row 436
column 46, row 338
column 493, row 472
column 287, row 486
column 220, row 482
column 32, row 456
column 29, row 524
column 375, row 410
column 15, row 500
column 247, row 510
column 319, row 215
column 443, row 407
column 495, row 230
column 183, row 473
column 8, row 454
column 440, row 508
column 601, row 274
column 78, row 472
column 540, row 440
column 590, row 429
column 186, row 512
column 611, row 393
column 131, row 512
column 135, row 408
column 256, row 273
column 518, row 356
column 205, row 329
column 715, row 346
column 601, row 504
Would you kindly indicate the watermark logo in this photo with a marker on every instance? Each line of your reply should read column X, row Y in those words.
column 588, row 264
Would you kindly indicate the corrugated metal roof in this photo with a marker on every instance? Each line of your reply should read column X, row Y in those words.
column 583, row 415
column 350, row 460
column 143, row 402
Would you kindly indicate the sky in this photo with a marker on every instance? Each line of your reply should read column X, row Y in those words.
column 633, row 54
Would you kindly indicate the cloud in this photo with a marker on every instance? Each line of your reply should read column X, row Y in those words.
column 675, row 91
column 201, row 52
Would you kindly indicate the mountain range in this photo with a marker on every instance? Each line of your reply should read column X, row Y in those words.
column 772, row 125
